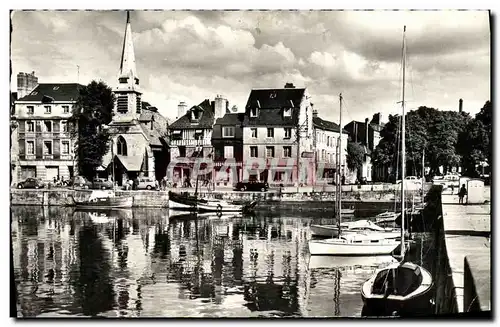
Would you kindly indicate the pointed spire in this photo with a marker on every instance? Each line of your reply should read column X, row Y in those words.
column 127, row 63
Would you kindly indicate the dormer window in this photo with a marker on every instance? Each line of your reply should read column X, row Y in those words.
column 254, row 112
column 287, row 112
column 195, row 115
column 31, row 110
column 136, row 81
column 272, row 95
column 48, row 109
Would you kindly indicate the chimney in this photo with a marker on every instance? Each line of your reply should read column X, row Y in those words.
column 366, row 132
column 220, row 105
column 289, row 86
column 314, row 111
column 181, row 109
column 460, row 104
column 26, row 83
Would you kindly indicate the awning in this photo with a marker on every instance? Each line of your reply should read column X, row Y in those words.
column 133, row 163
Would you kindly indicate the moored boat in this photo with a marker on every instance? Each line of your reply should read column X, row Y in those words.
column 185, row 202
column 400, row 287
column 355, row 226
column 353, row 244
column 104, row 200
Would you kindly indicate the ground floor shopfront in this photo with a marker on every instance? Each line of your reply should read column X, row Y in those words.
column 46, row 170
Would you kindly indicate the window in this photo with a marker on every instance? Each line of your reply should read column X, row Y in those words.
column 288, row 132
column 64, row 126
column 177, row 135
column 31, row 110
column 228, row 152
column 228, row 131
column 287, row 151
column 253, row 152
column 48, row 126
column 47, row 147
column 30, row 126
column 30, row 147
column 122, row 103
column 182, row 151
column 323, row 155
column 198, row 134
column 270, row 151
column 287, row 112
column 65, row 147
column 66, row 109
column 270, row 132
column 254, row 132
column 121, row 146
column 195, row 115
column 48, row 109
column 254, row 112
column 138, row 105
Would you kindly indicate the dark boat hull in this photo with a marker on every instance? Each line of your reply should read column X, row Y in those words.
column 106, row 203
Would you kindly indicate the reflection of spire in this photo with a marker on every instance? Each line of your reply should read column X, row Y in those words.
column 336, row 294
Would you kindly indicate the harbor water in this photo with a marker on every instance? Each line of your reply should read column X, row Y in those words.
column 143, row 263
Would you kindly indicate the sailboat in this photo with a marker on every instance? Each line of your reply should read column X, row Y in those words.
column 351, row 243
column 401, row 285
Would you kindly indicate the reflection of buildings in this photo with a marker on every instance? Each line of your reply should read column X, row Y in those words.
column 137, row 263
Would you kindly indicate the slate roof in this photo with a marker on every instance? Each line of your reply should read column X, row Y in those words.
column 275, row 98
column 270, row 104
column 206, row 120
column 327, row 125
column 229, row 119
column 56, row 91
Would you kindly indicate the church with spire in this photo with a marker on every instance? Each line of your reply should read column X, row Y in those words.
column 138, row 131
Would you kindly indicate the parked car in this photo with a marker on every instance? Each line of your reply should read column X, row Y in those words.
column 145, row 183
column 252, row 186
column 102, row 183
column 79, row 181
column 31, row 183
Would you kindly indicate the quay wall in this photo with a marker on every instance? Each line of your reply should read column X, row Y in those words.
column 270, row 199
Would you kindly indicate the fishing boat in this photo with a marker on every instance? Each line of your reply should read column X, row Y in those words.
column 182, row 214
column 104, row 199
column 387, row 216
column 355, row 226
column 351, row 243
column 185, row 202
column 402, row 287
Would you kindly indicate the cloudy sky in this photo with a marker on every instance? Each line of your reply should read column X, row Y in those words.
column 193, row 55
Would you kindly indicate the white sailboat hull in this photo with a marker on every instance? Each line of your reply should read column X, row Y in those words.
column 344, row 247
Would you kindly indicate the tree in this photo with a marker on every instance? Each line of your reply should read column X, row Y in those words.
column 355, row 156
column 484, row 116
column 93, row 108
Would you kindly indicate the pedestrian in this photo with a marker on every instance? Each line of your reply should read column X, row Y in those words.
column 461, row 194
column 452, row 188
column 157, row 185
column 343, row 179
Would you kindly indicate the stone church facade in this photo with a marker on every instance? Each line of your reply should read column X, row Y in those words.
column 138, row 131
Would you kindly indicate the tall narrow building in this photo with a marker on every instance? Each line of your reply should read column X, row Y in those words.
column 137, row 128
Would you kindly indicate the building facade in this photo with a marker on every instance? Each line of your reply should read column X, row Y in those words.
column 326, row 136
column 227, row 140
column 278, row 136
column 137, row 130
column 191, row 138
column 367, row 134
column 43, row 145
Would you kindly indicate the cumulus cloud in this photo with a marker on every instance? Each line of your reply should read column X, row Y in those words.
column 193, row 55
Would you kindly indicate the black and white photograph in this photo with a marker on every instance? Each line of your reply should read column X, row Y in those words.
column 250, row 163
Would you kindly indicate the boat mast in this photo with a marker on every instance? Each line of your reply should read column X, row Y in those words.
column 339, row 176
column 113, row 164
column 403, row 149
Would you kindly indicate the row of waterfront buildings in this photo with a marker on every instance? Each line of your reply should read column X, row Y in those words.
column 276, row 125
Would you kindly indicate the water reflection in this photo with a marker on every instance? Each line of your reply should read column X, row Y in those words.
column 130, row 263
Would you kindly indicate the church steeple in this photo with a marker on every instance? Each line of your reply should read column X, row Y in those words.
column 128, row 72
column 128, row 95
